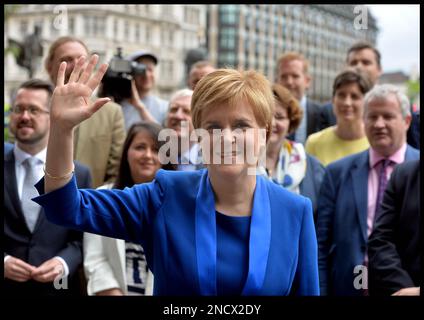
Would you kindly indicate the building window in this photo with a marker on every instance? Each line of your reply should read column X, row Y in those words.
column 147, row 34
column 71, row 25
column 171, row 37
column 167, row 10
column 126, row 30
column 228, row 38
column 137, row 32
column 53, row 30
column 93, row 25
column 167, row 69
column 115, row 28
column 228, row 14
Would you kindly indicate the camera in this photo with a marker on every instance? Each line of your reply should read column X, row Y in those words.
column 116, row 82
column 121, row 67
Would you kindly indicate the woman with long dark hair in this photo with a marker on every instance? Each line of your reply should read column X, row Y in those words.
column 115, row 266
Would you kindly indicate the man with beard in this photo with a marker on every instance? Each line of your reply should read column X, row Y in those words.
column 98, row 140
column 37, row 254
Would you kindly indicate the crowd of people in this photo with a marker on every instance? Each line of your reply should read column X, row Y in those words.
column 90, row 202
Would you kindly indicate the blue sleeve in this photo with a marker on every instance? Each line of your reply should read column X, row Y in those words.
column 325, row 216
column 306, row 278
column 122, row 214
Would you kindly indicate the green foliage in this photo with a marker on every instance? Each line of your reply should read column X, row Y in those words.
column 10, row 9
column 413, row 88
column 6, row 121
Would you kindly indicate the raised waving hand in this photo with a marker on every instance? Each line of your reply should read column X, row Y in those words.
column 70, row 104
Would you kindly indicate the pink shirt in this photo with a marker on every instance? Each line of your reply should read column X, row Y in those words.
column 397, row 157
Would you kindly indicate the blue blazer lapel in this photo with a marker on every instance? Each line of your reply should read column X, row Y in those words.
column 206, row 242
column 359, row 175
column 205, row 231
column 260, row 238
column 411, row 153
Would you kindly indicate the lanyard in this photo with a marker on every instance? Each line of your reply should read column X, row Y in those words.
column 206, row 242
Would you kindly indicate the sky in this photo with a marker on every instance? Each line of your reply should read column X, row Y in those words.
column 399, row 36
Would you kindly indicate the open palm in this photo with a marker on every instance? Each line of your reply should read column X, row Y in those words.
column 70, row 104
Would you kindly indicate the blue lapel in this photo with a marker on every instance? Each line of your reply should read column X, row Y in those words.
column 259, row 242
column 411, row 153
column 359, row 174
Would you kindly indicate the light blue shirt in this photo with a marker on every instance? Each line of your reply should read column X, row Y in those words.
column 155, row 105
column 301, row 132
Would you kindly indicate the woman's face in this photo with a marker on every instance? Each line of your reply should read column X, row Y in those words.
column 143, row 157
column 280, row 124
column 348, row 103
column 234, row 139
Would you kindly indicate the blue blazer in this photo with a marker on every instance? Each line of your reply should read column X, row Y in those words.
column 311, row 183
column 342, row 222
column 173, row 218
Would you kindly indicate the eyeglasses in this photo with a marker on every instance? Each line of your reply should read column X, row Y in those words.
column 33, row 111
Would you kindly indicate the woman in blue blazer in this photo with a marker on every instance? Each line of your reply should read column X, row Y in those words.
column 222, row 230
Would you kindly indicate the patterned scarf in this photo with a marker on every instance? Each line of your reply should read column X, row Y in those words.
column 291, row 166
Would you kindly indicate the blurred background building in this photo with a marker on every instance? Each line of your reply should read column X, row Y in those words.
column 168, row 31
column 254, row 36
column 240, row 36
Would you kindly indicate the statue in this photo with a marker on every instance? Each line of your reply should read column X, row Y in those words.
column 30, row 51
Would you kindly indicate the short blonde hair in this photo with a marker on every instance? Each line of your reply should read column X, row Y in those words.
column 229, row 87
column 290, row 56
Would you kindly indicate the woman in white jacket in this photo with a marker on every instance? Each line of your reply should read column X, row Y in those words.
column 115, row 266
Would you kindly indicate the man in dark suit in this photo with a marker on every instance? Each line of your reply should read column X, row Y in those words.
column 8, row 146
column 361, row 55
column 393, row 246
column 293, row 74
column 351, row 192
column 413, row 135
column 40, row 258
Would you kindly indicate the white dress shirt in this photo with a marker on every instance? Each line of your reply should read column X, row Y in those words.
column 20, row 157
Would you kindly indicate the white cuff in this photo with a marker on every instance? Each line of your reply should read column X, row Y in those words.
column 65, row 266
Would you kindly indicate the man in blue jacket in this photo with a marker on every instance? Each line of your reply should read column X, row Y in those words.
column 351, row 193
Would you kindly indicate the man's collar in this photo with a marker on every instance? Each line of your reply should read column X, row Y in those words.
column 397, row 157
column 21, row 156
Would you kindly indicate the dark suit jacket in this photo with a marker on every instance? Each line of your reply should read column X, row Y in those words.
column 327, row 117
column 311, row 183
column 313, row 111
column 393, row 246
column 413, row 134
column 342, row 222
column 47, row 240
